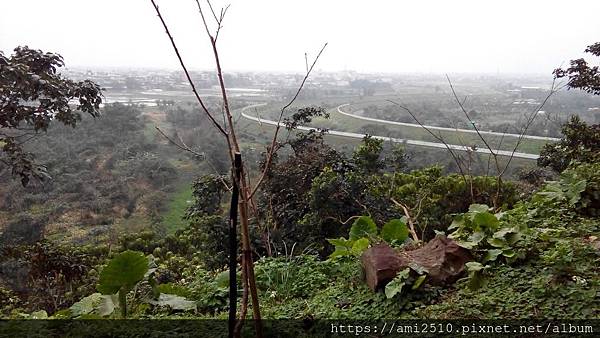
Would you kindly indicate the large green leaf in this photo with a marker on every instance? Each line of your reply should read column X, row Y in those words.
column 108, row 304
column 509, row 253
column 395, row 286
column 501, row 234
column 123, row 271
column 466, row 244
column 360, row 246
column 574, row 191
column 497, row 242
column 478, row 208
column 513, row 237
column 222, row 279
column 86, row 305
column 491, row 255
column 476, row 237
column 458, row 222
column 174, row 302
column 474, row 266
column 552, row 191
column 421, row 270
column 363, row 227
column 485, row 220
column 510, row 235
column 476, row 278
column 418, row 282
column 394, row 230
column 340, row 242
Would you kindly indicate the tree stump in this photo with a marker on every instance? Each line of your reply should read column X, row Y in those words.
column 441, row 258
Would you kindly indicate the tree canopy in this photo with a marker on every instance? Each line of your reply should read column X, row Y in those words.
column 581, row 75
column 33, row 94
column 580, row 142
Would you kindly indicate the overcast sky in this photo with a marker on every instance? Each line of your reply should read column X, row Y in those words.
column 506, row 36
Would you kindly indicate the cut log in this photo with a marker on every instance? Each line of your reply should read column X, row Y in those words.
column 441, row 258
column 381, row 264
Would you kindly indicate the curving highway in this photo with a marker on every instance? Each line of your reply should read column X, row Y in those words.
column 531, row 137
column 396, row 140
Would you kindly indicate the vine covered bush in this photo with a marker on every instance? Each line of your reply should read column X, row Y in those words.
column 580, row 142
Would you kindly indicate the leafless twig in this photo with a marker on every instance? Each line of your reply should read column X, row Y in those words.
column 530, row 120
column 245, row 197
column 462, row 108
column 439, row 138
column 187, row 74
column 411, row 224
column 181, row 146
column 271, row 150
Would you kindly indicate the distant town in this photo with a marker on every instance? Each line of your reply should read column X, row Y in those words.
column 503, row 91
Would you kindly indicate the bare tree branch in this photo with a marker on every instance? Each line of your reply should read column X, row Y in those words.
column 187, row 74
column 439, row 138
column 271, row 150
column 233, row 139
column 182, row 146
column 497, row 147
column 462, row 107
column 185, row 147
column 530, row 120
column 213, row 12
column 228, row 129
column 204, row 21
column 411, row 224
column 247, row 261
column 470, row 150
column 306, row 61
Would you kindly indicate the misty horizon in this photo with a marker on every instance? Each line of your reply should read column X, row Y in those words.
column 301, row 72
column 429, row 37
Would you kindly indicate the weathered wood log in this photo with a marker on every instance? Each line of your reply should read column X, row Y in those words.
column 441, row 258
column 380, row 264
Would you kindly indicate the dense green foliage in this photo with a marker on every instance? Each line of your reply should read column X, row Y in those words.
column 121, row 274
column 481, row 231
column 33, row 95
column 287, row 189
column 581, row 75
column 534, row 245
column 46, row 276
column 431, row 196
column 556, row 278
column 526, row 252
column 364, row 233
column 556, row 275
column 315, row 190
column 580, row 143
column 101, row 172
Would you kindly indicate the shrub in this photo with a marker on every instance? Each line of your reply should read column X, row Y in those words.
column 431, row 197
column 290, row 277
column 49, row 276
column 580, row 143
column 589, row 201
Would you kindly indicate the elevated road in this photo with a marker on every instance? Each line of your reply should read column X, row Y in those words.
column 395, row 140
column 530, row 137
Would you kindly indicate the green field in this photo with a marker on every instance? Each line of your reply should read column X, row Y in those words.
column 172, row 218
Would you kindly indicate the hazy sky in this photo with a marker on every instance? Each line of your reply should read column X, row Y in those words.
column 506, row 36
